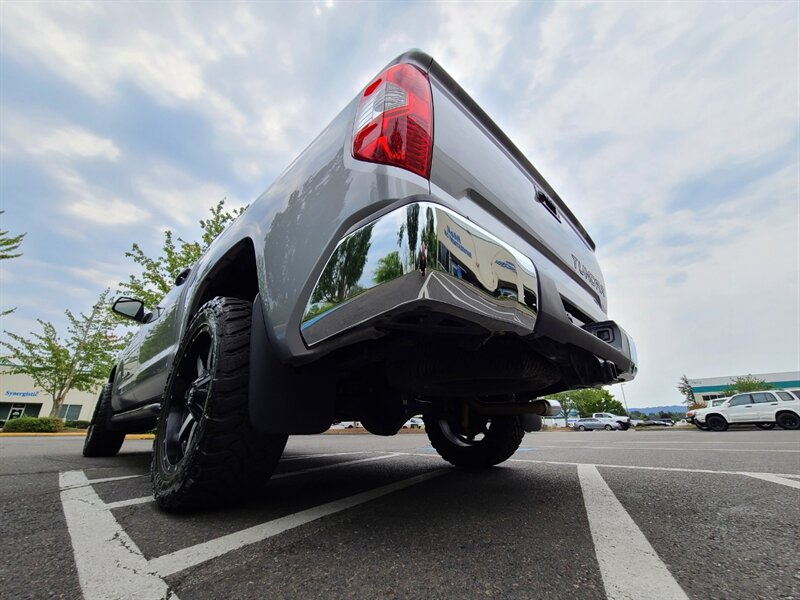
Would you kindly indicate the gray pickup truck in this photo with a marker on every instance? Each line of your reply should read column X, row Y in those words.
column 410, row 261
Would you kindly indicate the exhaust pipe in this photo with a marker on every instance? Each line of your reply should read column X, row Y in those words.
column 539, row 407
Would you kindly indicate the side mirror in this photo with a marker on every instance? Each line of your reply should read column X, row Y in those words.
column 130, row 308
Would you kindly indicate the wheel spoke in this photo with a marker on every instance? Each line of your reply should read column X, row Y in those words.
column 201, row 368
column 197, row 394
column 188, row 424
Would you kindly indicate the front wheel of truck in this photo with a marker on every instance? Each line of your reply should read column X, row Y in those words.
column 206, row 451
column 482, row 442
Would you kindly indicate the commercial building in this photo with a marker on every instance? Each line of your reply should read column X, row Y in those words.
column 713, row 387
column 19, row 396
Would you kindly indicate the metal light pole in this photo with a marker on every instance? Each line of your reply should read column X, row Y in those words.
column 622, row 387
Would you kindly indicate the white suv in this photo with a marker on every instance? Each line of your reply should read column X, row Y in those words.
column 756, row 408
column 691, row 416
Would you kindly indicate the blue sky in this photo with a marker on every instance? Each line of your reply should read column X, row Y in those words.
column 671, row 130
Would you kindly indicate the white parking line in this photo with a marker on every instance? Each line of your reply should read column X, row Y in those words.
column 195, row 555
column 582, row 447
column 146, row 499
column 622, row 550
column 776, row 479
column 307, row 456
column 86, row 481
column 110, row 566
column 333, row 466
column 641, row 440
column 637, row 467
column 129, row 502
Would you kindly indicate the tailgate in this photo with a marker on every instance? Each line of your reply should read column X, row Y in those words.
column 473, row 158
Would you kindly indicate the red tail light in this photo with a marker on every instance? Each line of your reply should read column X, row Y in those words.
column 394, row 120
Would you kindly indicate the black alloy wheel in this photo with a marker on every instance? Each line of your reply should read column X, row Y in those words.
column 187, row 401
column 206, row 451
column 788, row 420
column 717, row 423
column 485, row 441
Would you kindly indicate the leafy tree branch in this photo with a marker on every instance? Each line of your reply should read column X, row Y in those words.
column 80, row 360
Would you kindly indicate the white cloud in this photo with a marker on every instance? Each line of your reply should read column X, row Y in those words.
column 96, row 205
column 472, row 37
column 111, row 211
column 73, row 141
column 637, row 114
column 670, row 94
column 24, row 134
column 627, row 107
column 179, row 196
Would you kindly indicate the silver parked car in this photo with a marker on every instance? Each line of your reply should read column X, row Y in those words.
column 589, row 424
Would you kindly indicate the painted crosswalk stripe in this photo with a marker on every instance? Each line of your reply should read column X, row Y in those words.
column 110, row 565
column 622, row 550
column 195, row 555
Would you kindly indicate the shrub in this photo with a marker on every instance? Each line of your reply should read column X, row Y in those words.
column 77, row 424
column 34, row 425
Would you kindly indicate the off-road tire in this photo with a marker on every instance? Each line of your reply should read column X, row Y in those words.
column 716, row 423
column 788, row 420
column 501, row 441
column 99, row 440
column 225, row 459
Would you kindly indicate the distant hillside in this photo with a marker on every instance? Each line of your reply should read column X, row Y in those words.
column 649, row 410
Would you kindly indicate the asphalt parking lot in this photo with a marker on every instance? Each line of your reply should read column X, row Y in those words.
column 655, row 514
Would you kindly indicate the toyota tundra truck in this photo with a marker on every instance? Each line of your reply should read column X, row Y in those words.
column 410, row 261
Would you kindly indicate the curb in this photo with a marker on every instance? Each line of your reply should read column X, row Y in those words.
column 130, row 436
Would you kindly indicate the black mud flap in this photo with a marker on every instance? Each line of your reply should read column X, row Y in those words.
column 283, row 399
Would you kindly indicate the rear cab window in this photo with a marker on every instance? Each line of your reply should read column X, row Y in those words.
column 785, row 396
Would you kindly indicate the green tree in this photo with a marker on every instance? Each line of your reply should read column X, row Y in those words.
column 9, row 244
column 748, row 383
column 158, row 273
column 412, row 230
column 567, row 403
column 79, row 361
column 594, row 400
column 589, row 401
column 389, row 267
column 685, row 388
column 430, row 238
column 344, row 269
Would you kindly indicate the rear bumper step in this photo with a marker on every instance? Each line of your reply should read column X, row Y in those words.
column 425, row 267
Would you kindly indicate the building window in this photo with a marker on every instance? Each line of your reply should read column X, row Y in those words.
column 70, row 412
column 10, row 411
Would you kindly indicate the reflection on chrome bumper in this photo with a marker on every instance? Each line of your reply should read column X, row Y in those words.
column 422, row 255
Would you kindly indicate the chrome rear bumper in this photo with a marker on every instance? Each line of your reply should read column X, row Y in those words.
column 376, row 272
